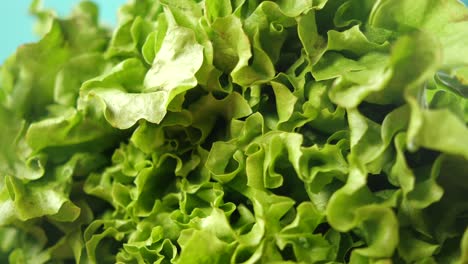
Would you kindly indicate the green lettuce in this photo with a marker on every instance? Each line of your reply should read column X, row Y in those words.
column 238, row 131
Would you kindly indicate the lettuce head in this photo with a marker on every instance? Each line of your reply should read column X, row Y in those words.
column 217, row 131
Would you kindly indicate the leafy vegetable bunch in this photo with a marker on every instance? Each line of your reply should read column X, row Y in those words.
column 217, row 131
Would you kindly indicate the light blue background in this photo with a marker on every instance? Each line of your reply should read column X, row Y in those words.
column 16, row 25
